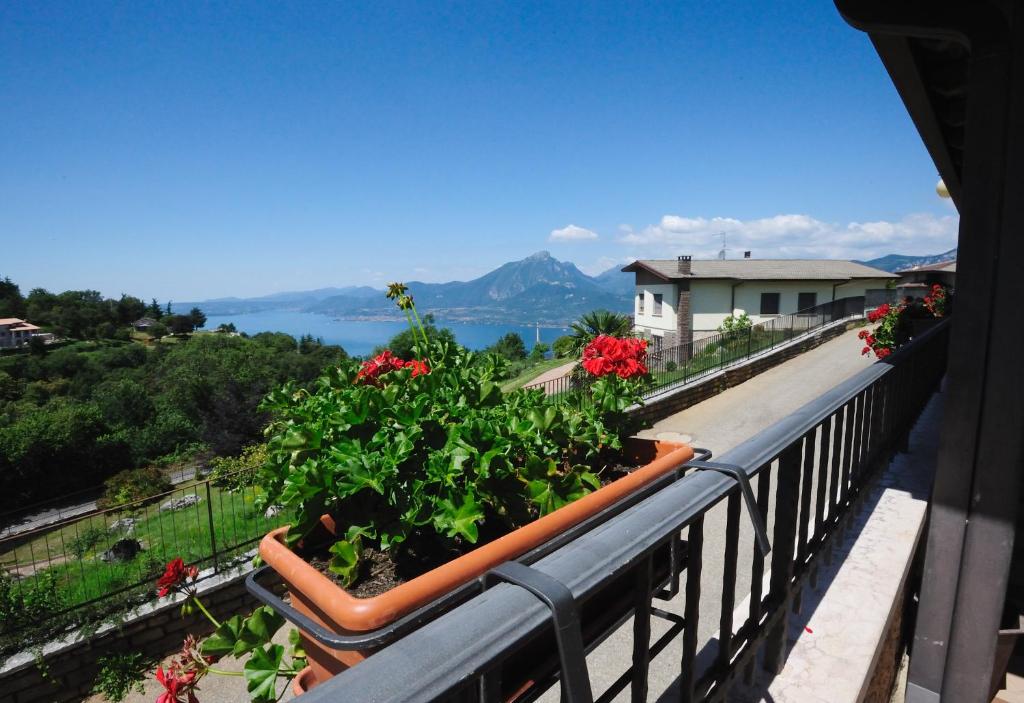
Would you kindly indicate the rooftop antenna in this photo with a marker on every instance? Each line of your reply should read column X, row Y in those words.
column 721, row 252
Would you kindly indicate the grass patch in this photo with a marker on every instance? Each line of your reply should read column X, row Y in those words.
column 67, row 559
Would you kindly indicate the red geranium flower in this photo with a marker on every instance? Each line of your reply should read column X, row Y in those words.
column 176, row 687
column 175, row 575
column 419, row 368
column 374, row 368
column 626, row 358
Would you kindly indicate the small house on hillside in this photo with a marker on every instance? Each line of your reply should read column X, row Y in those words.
column 915, row 281
column 143, row 324
column 682, row 300
column 15, row 332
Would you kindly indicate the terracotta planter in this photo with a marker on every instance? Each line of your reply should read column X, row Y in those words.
column 321, row 599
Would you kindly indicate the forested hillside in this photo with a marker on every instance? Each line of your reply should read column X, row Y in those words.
column 72, row 416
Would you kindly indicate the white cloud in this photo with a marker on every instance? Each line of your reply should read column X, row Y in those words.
column 792, row 236
column 603, row 264
column 571, row 233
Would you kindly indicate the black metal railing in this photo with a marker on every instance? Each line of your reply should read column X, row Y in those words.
column 678, row 365
column 88, row 566
column 801, row 479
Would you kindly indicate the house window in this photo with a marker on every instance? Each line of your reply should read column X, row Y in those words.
column 657, row 343
column 805, row 301
column 657, row 304
column 640, row 304
column 769, row 303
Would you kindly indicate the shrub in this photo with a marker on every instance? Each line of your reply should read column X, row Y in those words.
column 235, row 473
column 119, row 675
column 31, row 600
column 563, row 346
column 84, row 542
column 133, row 485
column 734, row 327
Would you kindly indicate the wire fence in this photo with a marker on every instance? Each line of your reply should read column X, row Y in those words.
column 87, row 567
column 683, row 363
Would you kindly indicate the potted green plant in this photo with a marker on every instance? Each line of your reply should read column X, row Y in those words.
column 424, row 470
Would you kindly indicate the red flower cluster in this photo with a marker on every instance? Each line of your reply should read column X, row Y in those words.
column 873, row 345
column 176, row 686
column 386, row 362
column 175, row 576
column 935, row 301
column 625, row 357
column 879, row 312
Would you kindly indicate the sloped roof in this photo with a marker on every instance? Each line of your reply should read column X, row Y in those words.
column 761, row 269
column 10, row 320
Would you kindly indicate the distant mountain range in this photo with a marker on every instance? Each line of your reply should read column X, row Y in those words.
column 538, row 289
column 900, row 262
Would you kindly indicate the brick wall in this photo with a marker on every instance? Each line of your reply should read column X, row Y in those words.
column 155, row 631
column 662, row 406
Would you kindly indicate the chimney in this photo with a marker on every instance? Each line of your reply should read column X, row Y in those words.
column 683, row 264
column 746, row 255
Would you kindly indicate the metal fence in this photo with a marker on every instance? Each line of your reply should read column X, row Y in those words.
column 800, row 480
column 683, row 363
column 87, row 566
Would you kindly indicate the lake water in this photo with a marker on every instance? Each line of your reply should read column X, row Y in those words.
column 359, row 338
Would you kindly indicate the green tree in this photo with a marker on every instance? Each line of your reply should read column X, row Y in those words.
column 403, row 344
column 198, row 317
column 129, row 309
column 511, row 347
column 179, row 324
column 157, row 330
column 563, row 346
column 36, row 346
column 154, row 310
column 538, row 351
column 598, row 322
column 227, row 327
column 12, row 304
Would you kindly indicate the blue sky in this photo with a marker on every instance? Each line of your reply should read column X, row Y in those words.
column 189, row 151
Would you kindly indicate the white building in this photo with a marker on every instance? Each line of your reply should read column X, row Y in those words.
column 15, row 332
column 678, row 301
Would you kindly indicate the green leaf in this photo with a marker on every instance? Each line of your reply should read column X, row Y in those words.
column 261, row 673
column 589, row 478
column 345, row 560
column 264, row 623
column 224, row 638
column 461, row 520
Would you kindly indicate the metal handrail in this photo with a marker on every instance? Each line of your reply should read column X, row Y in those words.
column 860, row 420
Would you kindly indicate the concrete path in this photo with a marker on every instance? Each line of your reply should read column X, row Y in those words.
column 551, row 375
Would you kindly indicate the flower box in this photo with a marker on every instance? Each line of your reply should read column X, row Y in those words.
column 318, row 597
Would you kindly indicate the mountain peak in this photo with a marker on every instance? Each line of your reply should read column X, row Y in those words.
column 539, row 256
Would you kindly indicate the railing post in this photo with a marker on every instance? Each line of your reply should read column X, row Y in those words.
column 786, row 508
column 213, row 535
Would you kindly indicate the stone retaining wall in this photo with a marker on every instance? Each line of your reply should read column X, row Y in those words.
column 673, row 401
column 68, row 667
